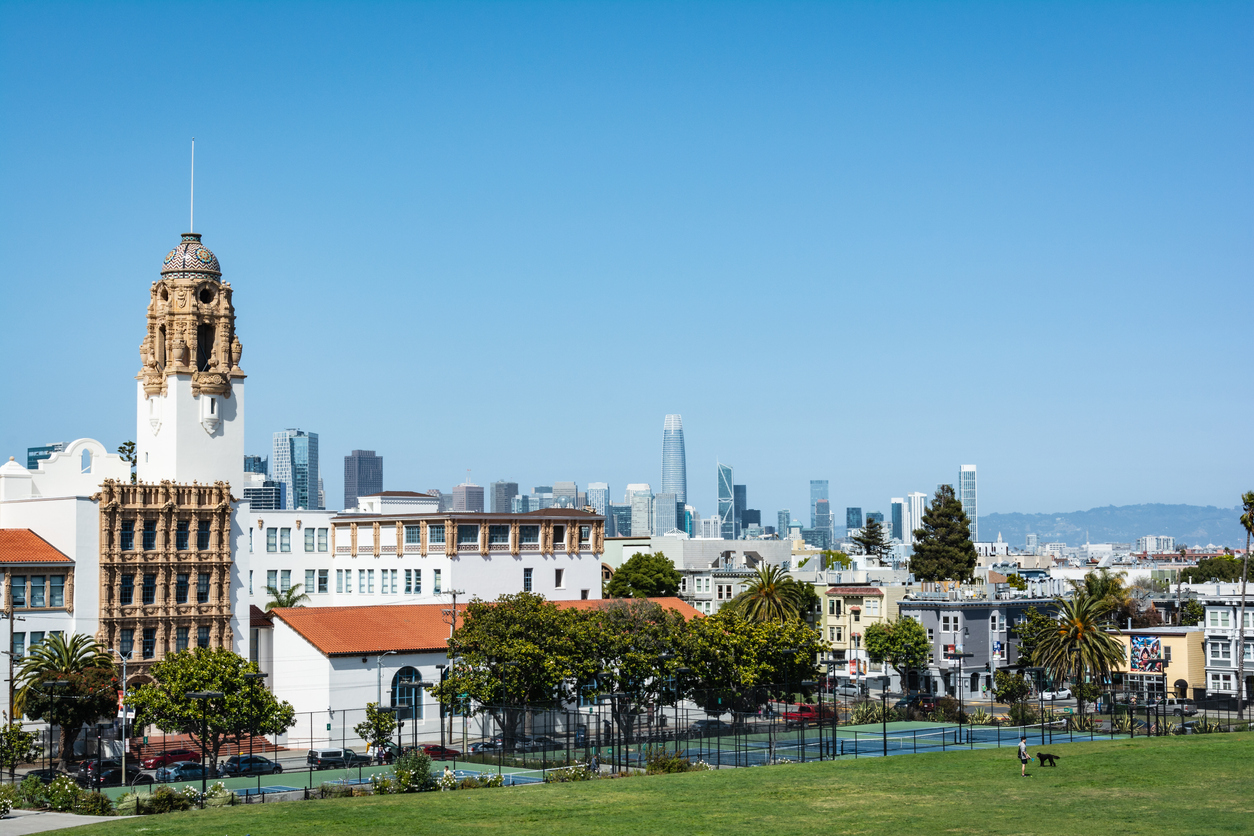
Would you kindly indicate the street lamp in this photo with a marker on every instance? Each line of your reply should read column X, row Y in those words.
column 959, row 655
column 253, row 678
column 100, row 727
column 378, row 666
column 204, row 697
column 125, row 736
column 56, row 683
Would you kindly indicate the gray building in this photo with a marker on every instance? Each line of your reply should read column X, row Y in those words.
column 268, row 496
column 853, row 519
column 783, row 520
column 294, row 458
column 740, row 501
column 822, row 516
column 363, row 476
column 818, row 490
column 503, row 494
column 668, row 513
column 619, row 520
column 565, row 494
column 257, row 464
column 468, row 497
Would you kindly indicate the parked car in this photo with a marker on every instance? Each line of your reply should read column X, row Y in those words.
column 918, row 702
column 248, row 765
column 87, row 768
column 111, row 776
column 439, row 753
column 1178, row 707
column 45, row 775
column 485, row 747
column 1057, row 694
column 848, row 690
column 540, row 743
column 335, row 758
column 184, row 771
column 706, row 728
column 801, row 714
column 166, row 758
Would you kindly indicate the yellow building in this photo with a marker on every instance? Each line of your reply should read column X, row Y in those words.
column 1182, row 672
column 847, row 612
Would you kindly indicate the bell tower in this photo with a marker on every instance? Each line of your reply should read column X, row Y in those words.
column 190, row 417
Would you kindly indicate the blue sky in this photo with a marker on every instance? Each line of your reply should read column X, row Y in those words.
column 860, row 242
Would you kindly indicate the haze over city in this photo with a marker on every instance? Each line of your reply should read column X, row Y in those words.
column 844, row 242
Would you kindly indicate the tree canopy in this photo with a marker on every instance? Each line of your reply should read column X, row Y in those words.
column 1079, row 644
column 245, row 708
column 645, row 576
column 902, row 644
column 295, row 596
column 89, row 691
column 1224, row 567
column 942, row 545
column 773, row 595
column 873, row 539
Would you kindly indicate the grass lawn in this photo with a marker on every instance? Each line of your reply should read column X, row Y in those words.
column 1181, row 786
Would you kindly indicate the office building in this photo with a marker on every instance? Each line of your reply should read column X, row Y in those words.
column 726, row 502
column 874, row 515
column 295, row 461
column 897, row 519
column 674, row 462
column 619, row 517
column 599, row 496
column 1033, row 542
column 916, row 504
column 1153, row 544
column 822, row 516
column 363, row 476
column 257, row 464
column 267, row 495
column 967, row 496
column 565, row 494
column 853, row 520
column 818, row 490
column 751, row 516
column 783, row 522
column 34, row 455
column 692, row 520
column 641, row 513
column 740, row 500
column 542, row 496
column 468, row 497
column 503, row 494
column 668, row 514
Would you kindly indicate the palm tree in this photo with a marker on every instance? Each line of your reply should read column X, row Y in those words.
column 1247, row 521
column 293, row 597
column 774, row 595
column 86, row 686
column 1108, row 588
column 1080, row 643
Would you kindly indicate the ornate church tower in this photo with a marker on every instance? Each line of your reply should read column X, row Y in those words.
column 191, row 388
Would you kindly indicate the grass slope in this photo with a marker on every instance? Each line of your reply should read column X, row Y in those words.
column 1167, row 785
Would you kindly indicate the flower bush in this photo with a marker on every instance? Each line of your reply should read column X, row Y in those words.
column 568, row 774
column 63, row 794
column 32, row 792
column 6, row 806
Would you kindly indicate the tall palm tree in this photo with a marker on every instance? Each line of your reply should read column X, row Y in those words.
column 1080, row 643
column 1247, row 521
column 1107, row 588
column 86, row 688
column 774, row 595
column 294, row 597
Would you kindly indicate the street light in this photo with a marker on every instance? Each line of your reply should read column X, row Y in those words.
column 125, row 737
column 58, row 683
column 204, row 697
column 253, row 678
column 959, row 655
column 378, row 666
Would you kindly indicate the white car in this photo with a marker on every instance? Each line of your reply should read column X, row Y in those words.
column 1057, row 694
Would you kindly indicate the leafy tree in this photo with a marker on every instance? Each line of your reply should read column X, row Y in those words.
column 1010, row 688
column 835, row 559
column 773, row 595
column 902, row 644
column 1029, row 633
column 127, row 451
column 90, row 692
column 1192, row 613
column 1223, row 567
column 1016, row 582
column 1080, row 644
column 942, row 546
column 738, row 665
column 873, row 539
column 378, row 727
column 16, row 746
column 645, row 576
column 294, row 597
column 245, row 708
column 1107, row 589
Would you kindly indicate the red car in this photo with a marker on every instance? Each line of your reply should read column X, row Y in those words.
column 439, row 753
column 172, row 756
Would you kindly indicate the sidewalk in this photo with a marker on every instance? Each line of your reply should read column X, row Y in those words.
column 21, row 822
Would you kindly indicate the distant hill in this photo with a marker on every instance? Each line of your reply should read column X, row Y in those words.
column 1192, row 525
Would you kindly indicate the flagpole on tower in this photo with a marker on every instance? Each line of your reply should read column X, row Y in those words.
column 191, row 218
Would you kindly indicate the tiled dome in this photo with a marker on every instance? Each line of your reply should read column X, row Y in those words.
column 190, row 256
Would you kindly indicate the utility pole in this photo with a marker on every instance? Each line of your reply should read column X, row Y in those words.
column 450, row 618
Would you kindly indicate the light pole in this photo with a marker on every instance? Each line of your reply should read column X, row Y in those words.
column 125, row 737
column 378, row 667
column 58, row 684
column 253, row 679
column 100, row 727
column 204, row 697
column 420, row 686
column 959, row 655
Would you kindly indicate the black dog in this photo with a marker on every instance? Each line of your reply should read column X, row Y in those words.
column 1045, row 756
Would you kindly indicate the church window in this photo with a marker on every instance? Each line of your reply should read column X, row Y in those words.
column 204, row 346
column 181, row 534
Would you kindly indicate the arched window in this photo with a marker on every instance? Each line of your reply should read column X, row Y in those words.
column 160, row 347
column 86, row 468
column 406, row 695
column 204, row 346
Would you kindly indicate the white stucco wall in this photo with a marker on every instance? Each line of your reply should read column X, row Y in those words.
column 171, row 441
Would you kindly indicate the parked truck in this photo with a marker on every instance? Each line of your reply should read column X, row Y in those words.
column 804, row 714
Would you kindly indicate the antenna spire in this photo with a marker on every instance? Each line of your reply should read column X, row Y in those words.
column 191, row 217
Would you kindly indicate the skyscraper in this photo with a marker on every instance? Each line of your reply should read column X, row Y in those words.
column 818, row 490
column 641, row 513
column 257, row 464
column 621, row 517
column 668, row 514
column 740, row 501
column 916, row 504
column 363, row 476
column 599, row 496
column 34, row 455
column 853, row 519
column 821, row 513
column 468, row 497
column 878, row 516
column 674, row 462
column 565, row 494
column 783, row 520
column 897, row 524
column 503, row 494
column 726, row 502
column 967, row 496
column 295, row 460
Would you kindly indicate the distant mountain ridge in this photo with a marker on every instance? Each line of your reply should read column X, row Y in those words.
column 1192, row 525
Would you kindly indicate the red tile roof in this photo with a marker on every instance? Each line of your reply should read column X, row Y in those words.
column 257, row 617
column 21, row 545
column 404, row 628
column 854, row 590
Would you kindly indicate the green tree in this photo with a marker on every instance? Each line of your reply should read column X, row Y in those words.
column 378, row 727
column 16, row 746
column 942, row 546
column 873, row 539
column 295, row 596
column 1222, row 567
column 90, row 691
column 127, row 451
column 1108, row 589
column 1010, row 688
column 901, row 644
column 645, row 576
column 1192, row 613
column 835, row 560
column 1247, row 522
column 1080, row 644
column 1016, row 582
column 738, row 665
column 1029, row 632
column 772, row 595
column 245, row 708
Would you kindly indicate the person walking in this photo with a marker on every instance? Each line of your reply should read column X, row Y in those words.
column 1023, row 757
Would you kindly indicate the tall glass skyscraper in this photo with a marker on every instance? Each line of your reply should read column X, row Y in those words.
column 726, row 502
column 363, row 476
column 295, row 460
column 853, row 519
column 818, row 490
column 674, row 462
column 599, row 496
column 967, row 496
column 897, row 528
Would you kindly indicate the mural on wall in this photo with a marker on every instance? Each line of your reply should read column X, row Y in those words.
column 1143, row 649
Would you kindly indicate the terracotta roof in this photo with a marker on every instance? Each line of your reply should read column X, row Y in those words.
column 854, row 590
column 405, row 493
column 677, row 604
column 404, row 628
column 257, row 617
column 21, row 545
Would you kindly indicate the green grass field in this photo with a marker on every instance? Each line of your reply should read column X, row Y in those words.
column 1181, row 786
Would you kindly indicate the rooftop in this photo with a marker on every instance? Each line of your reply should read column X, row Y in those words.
column 21, row 545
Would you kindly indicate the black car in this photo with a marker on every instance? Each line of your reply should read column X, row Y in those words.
column 46, row 775
column 708, row 728
column 248, row 765
column 111, row 776
column 335, row 758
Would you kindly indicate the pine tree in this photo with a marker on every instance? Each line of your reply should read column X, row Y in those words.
column 942, row 546
column 873, row 539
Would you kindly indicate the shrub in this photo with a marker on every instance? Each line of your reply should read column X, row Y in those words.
column 447, row 782
column 63, row 794
column 491, row 781
column 413, row 772
column 127, row 804
column 981, row 718
column 567, row 774
column 664, row 762
column 470, row 782
column 32, row 792
column 165, row 800
column 1022, row 714
column 9, row 794
column 6, row 806
column 93, row 804
column 335, row 791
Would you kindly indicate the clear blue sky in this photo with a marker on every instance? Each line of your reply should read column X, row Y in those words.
column 860, row 242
